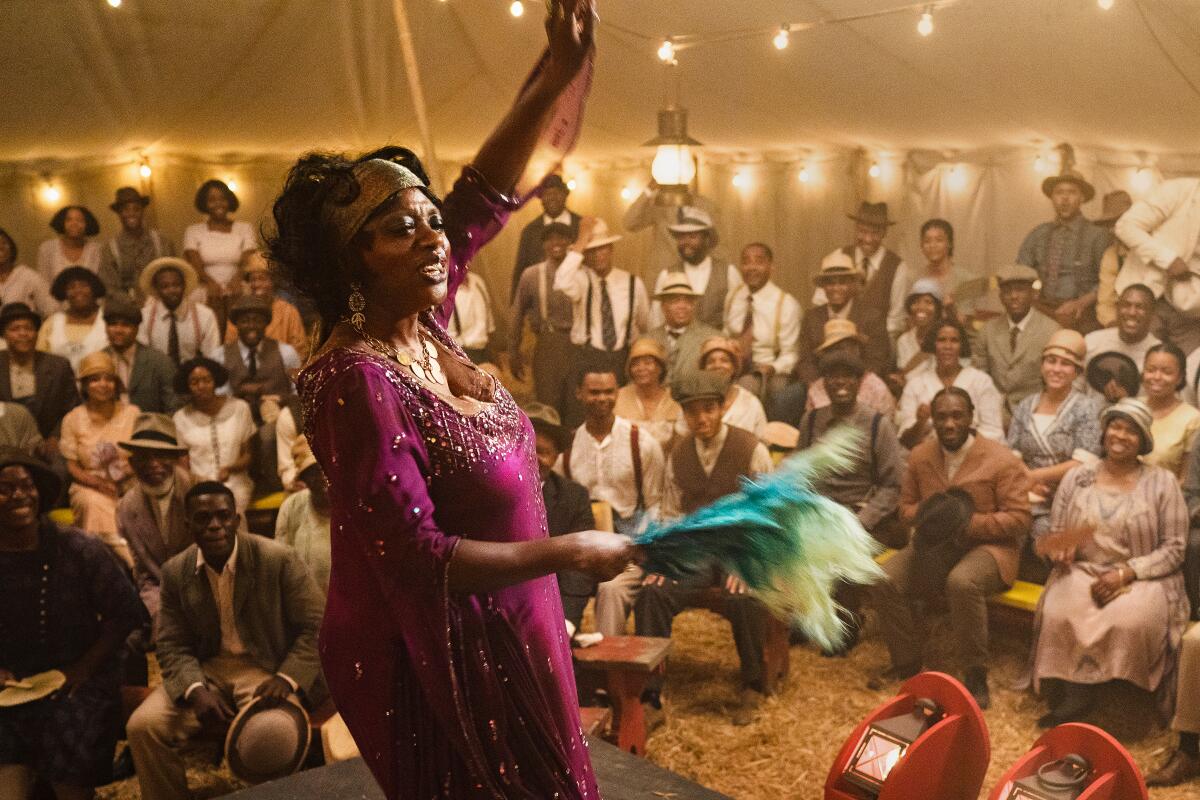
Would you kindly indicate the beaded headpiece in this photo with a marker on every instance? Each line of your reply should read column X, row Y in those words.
column 378, row 180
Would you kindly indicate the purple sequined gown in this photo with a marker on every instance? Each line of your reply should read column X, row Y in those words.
column 448, row 696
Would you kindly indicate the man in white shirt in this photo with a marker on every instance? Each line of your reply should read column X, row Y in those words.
column 172, row 322
column 554, row 193
column 886, row 277
column 766, row 322
column 621, row 464
column 695, row 240
column 649, row 210
column 1131, row 336
column 472, row 322
column 610, row 307
column 681, row 334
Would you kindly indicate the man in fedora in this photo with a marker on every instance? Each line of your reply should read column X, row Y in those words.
column 150, row 514
column 1010, row 346
column 549, row 314
column 1162, row 231
column 172, row 322
column 568, row 508
column 239, row 619
column 711, row 277
column 127, row 254
column 766, row 322
column 609, row 305
column 681, row 334
column 554, row 193
column 1066, row 253
column 885, row 275
column 42, row 382
column 147, row 375
column 1113, row 206
column 842, row 286
column 651, row 209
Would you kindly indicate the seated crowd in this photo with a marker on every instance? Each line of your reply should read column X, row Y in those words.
column 1053, row 441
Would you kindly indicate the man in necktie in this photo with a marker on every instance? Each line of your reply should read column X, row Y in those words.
column 1009, row 347
column 681, row 334
column 766, row 321
column 885, row 276
column 171, row 322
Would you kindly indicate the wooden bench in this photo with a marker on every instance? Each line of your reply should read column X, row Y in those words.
column 776, row 656
column 262, row 513
column 626, row 664
column 594, row 720
column 1023, row 596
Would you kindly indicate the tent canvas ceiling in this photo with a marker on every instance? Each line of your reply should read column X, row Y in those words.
column 84, row 80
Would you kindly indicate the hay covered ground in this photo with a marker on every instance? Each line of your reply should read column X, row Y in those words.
column 787, row 751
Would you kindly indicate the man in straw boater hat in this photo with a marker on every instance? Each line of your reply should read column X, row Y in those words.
column 885, row 275
column 713, row 278
column 681, row 334
column 125, row 255
column 609, row 305
column 1066, row 252
column 172, row 322
column 842, row 285
column 651, row 209
column 238, row 623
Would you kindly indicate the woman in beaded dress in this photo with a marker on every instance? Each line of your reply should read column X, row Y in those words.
column 443, row 642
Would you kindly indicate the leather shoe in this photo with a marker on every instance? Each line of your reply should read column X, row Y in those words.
column 1180, row 767
column 976, row 682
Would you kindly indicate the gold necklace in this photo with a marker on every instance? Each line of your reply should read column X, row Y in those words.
column 424, row 367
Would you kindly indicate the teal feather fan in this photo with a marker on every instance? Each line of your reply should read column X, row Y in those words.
column 787, row 543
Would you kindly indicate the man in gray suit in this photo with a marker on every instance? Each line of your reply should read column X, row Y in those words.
column 150, row 515
column 146, row 373
column 682, row 334
column 239, row 620
column 1010, row 346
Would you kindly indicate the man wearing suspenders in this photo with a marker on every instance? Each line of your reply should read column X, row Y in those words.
column 127, row 254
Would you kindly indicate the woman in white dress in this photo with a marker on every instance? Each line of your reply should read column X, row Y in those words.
column 78, row 329
column 949, row 344
column 219, row 247
column 75, row 244
column 19, row 283
column 216, row 429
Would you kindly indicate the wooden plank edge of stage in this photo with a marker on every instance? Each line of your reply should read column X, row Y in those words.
column 621, row 777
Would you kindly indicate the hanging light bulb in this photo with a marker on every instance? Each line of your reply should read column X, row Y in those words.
column 572, row 184
column 1105, row 5
column 741, row 179
column 115, row 3
column 144, row 170
column 875, row 171
column 51, row 194
column 517, row 9
column 666, row 51
column 628, row 192
column 925, row 26
column 958, row 177
column 782, row 38
column 232, row 184
column 805, row 176
column 1039, row 164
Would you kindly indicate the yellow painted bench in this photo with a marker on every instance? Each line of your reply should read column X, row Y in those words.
column 1023, row 596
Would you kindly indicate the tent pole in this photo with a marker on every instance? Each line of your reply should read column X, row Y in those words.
column 413, row 74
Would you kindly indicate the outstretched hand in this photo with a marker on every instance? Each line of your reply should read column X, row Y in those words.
column 570, row 28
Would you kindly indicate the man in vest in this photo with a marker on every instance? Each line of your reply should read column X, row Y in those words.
column 554, row 193
column 681, row 334
column 704, row 466
column 695, row 239
column 127, row 254
column 651, row 209
column 886, row 277
column 843, row 286
column 172, row 322
column 619, row 464
column 766, row 322
column 260, row 372
column 1066, row 254
column 549, row 314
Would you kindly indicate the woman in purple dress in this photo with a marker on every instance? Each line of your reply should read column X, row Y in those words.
column 443, row 642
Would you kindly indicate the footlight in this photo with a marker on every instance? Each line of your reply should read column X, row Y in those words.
column 1073, row 762
column 929, row 741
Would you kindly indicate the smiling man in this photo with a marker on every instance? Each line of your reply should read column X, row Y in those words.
column 1131, row 336
column 1010, row 346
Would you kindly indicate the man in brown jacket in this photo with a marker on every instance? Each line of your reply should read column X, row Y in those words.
column 996, row 481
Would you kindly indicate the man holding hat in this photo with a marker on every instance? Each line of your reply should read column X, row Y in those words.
column 553, row 194
column 766, row 321
column 695, row 238
column 238, row 622
column 609, row 305
column 704, row 466
column 42, row 382
column 147, row 375
column 172, row 322
column 127, row 254
column 150, row 514
column 681, row 334
column 885, row 275
column 286, row 323
column 1066, row 253
column 651, row 210
column 1010, row 346
column 842, row 284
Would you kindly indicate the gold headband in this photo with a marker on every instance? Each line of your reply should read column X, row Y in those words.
column 378, row 180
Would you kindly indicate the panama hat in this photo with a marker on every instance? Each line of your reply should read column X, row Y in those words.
column 267, row 742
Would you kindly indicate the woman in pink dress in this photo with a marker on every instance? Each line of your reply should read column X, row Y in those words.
column 443, row 644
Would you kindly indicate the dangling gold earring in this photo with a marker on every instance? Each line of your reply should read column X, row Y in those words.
column 358, row 304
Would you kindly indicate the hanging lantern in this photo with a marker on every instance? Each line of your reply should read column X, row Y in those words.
column 884, row 743
column 674, row 166
column 1064, row 779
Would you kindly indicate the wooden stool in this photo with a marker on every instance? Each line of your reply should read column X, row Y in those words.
column 594, row 719
column 776, row 655
column 626, row 662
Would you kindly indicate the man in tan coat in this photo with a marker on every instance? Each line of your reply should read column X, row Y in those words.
column 996, row 481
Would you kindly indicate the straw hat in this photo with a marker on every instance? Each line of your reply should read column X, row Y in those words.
column 601, row 236
column 154, row 432
column 98, row 363
column 730, row 346
column 676, row 284
column 546, row 420
column 781, row 436
column 31, row 687
column 1134, row 411
column 1067, row 344
column 691, row 219
column 839, row 330
column 266, row 743
column 146, row 281
column 647, row 347
column 1069, row 175
column 837, row 265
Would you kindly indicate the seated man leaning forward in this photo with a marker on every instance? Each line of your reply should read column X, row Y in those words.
column 238, row 620
column 987, row 550
column 704, row 466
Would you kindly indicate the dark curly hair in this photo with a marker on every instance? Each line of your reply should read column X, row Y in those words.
column 59, row 220
column 942, row 225
column 12, row 244
column 948, row 321
column 201, row 201
column 220, row 375
column 301, row 244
